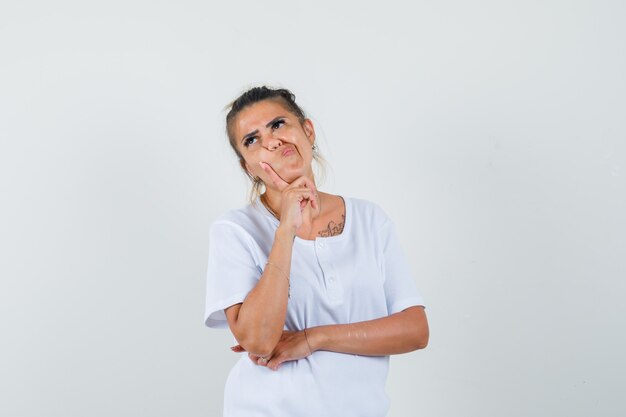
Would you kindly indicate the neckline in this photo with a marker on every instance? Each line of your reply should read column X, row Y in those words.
column 346, row 227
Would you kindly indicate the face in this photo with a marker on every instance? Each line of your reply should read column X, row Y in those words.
column 267, row 132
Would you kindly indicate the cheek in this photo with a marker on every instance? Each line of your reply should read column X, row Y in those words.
column 250, row 165
column 306, row 152
column 257, row 171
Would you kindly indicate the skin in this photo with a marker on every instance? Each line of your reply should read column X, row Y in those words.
column 264, row 131
column 276, row 147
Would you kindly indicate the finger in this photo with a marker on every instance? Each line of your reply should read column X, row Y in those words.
column 303, row 204
column 275, row 363
column 306, row 182
column 258, row 360
column 307, row 196
column 280, row 183
column 237, row 348
column 304, row 197
column 314, row 200
column 300, row 194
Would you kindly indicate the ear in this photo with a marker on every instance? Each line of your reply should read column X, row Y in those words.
column 309, row 130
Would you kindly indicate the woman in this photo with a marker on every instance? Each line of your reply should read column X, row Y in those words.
column 313, row 286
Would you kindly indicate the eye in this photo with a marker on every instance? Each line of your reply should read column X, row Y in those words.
column 278, row 123
column 249, row 141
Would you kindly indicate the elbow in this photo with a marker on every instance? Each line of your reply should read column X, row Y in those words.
column 420, row 332
column 254, row 336
column 259, row 350
column 422, row 340
column 260, row 346
column 418, row 341
column 419, row 338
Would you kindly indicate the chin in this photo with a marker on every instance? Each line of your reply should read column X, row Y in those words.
column 291, row 175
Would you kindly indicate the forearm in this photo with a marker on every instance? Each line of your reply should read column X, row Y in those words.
column 402, row 332
column 261, row 318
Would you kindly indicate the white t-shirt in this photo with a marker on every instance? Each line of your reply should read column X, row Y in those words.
column 360, row 274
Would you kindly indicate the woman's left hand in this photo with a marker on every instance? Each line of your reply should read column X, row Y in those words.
column 292, row 346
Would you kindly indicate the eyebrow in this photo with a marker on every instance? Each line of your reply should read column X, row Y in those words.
column 254, row 132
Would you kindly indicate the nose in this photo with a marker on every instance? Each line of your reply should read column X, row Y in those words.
column 271, row 142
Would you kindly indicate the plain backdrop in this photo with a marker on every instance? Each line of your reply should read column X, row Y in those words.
column 492, row 132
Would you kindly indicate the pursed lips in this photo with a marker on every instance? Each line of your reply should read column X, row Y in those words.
column 287, row 152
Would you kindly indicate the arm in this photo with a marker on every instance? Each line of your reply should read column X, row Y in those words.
column 258, row 322
column 401, row 332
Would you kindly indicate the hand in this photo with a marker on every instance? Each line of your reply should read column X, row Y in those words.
column 295, row 197
column 291, row 346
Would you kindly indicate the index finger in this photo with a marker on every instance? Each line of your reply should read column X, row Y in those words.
column 276, row 179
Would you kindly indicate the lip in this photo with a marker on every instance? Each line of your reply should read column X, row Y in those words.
column 287, row 152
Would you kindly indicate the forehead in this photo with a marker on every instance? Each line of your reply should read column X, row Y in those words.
column 257, row 115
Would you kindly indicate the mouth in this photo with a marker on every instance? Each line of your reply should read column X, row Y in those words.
column 287, row 152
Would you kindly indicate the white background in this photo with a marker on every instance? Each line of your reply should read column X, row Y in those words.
column 492, row 132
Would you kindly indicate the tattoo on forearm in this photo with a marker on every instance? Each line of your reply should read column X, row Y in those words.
column 333, row 228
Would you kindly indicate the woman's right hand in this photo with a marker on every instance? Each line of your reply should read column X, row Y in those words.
column 296, row 196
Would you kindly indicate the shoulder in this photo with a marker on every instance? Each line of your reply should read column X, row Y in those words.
column 367, row 213
column 247, row 220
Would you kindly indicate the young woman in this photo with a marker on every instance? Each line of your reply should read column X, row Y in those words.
column 313, row 286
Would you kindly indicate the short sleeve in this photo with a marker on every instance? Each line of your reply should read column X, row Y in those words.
column 400, row 289
column 232, row 271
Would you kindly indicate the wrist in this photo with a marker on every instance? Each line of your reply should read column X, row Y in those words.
column 285, row 233
column 316, row 338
